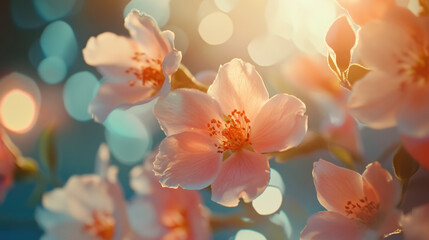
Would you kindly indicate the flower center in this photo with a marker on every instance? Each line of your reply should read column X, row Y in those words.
column 149, row 73
column 102, row 225
column 233, row 134
column 416, row 68
column 363, row 211
column 177, row 222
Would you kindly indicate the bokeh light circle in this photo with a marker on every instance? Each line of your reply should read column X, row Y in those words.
column 52, row 70
column 58, row 40
column 247, row 234
column 269, row 49
column 18, row 110
column 19, row 102
column 79, row 90
column 127, row 137
column 216, row 28
column 226, row 5
column 53, row 9
column 269, row 201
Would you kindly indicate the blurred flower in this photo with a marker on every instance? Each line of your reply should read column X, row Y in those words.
column 363, row 11
column 312, row 75
column 396, row 91
column 136, row 69
column 358, row 206
column 87, row 207
column 415, row 224
column 218, row 138
column 165, row 213
column 7, row 164
column 418, row 148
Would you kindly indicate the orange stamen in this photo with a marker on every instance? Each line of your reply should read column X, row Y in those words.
column 233, row 134
column 149, row 72
column 102, row 225
column 363, row 210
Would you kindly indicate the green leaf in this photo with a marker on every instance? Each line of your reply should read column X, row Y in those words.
column 48, row 153
column 183, row 78
column 404, row 164
column 26, row 168
column 356, row 72
column 343, row 155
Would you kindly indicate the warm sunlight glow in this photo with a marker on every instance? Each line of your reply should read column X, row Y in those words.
column 216, row 28
column 18, row 111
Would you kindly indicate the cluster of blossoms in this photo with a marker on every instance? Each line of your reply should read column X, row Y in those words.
column 220, row 136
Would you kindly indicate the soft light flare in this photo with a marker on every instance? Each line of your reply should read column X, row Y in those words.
column 18, row 111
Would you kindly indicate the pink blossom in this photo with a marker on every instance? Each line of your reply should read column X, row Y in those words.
column 363, row 11
column 136, row 69
column 7, row 165
column 358, row 206
column 324, row 88
column 90, row 207
column 415, row 224
column 396, row 91
column 219, row 138
column 165, row 213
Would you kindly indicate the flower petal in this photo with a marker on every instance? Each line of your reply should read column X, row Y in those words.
column 395, row 41
column 331, row 226
column 113, row 95
column 186, row 110
column 112, row 55
column 363, row 11
column 187, row 159
column 279, row 125
column 415, row 223
column 418, row 148
column 384, row 184
column 243, row 175
column 413, row 114
column 375, row 99
column 341, row 38
column 144, row 30
column 239, row 86
column 336, row 186
column 169, row 67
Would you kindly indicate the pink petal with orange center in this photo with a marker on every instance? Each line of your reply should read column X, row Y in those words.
column 279, row 125
column 187, row 159
column 332, row 226
column 243, row 175
column 375, row 100
column 384, row 184
column 187, row 110
column 238, row 86
column 337, row 186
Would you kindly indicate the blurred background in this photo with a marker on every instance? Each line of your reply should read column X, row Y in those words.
column 46, row 85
